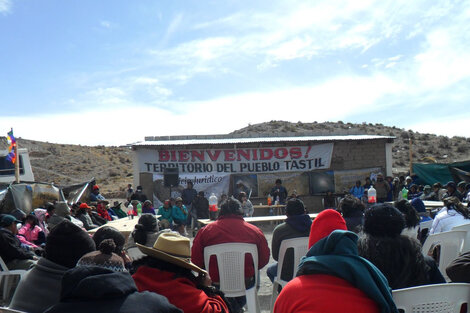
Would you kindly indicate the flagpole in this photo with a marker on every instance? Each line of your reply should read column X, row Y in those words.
column 17, row 162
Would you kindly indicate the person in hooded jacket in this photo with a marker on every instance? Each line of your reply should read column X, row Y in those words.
column 332, row 277
column 100, row 283
column 297, row 224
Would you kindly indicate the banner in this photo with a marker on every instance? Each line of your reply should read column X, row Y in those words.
column 209, row 183
column 240, row 161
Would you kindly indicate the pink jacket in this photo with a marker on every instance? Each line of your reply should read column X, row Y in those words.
column 31, row 235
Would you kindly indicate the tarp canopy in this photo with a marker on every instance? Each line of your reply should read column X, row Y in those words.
column 27, row 196
column 428, row 174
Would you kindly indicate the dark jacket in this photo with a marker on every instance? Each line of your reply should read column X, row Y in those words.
column 294, row 227
column 201, row 205
column 10, row 247
column 96, row 289
column 188, row 195
column 97, row 219
column 86, row 220
column 459, row 269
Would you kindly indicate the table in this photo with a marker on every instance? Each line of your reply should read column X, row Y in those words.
column 124, row 225
column 259, row 219
column 278, row 207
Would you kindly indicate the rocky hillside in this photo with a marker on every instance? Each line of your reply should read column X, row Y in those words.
column 112, row 166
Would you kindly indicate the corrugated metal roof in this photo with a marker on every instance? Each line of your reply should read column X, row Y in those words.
column 216, row 141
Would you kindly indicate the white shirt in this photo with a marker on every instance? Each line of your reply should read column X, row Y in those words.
column 445, row 220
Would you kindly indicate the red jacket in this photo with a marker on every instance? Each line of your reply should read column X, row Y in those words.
column 319, row 293
column 229, row 228
column 181, row 292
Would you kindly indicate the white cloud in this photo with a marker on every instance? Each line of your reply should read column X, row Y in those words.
column 447, row 126
column 5, row 6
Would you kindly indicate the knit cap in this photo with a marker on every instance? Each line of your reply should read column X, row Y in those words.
column 67, row 243
column 104, row 257
column 324, row 224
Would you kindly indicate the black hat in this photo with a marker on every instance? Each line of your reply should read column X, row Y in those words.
column 109, row 232
column 450, row 184
column 383, row 220
column 295, row 207
column 67, row 243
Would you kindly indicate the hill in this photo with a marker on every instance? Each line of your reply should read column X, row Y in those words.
column 112, row 166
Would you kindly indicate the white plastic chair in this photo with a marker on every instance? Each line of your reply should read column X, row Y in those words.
column 5, row 275
column 466, row 242
column 231, row 265
column 300, row 247
column 439, row 298
column 7, row 310
column 451, row 243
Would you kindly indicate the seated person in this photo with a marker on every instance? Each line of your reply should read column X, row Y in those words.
column 167, row 270
column 454, row 213
column 84, row 217
column 109, row 232
column 297, row 225
column 13, row 254
column 31, row 230
column 397, row 256
column 352, row 210
column 144, row 233
column 65, row 245
column 231, row 227
column 100, row 284
column 459, row 269
column 147, row 208
column 95, row 195
column 180, row 215
column 332, row 277
column 166, row 214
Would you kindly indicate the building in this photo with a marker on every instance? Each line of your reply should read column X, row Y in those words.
column 310, row 165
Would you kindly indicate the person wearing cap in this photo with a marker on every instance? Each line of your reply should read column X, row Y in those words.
column 40, row 288
column 117, row 209
column 231, row 227
column 100, row 283
column 296, row 225
column 454, row 213
column 167, row 270
column 82, row 215
column 332, row 277
column 397, row 256
column 427, row 190
column 408, row 182
column 452, row 191
column 461, row 189
column 180, row 216
column 95, row 195
column 13, row 254
column 166, row 214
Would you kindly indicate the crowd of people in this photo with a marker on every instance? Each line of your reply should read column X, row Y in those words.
column 356, row 252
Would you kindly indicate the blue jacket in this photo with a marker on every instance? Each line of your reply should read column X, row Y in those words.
column 357, row 191
column 180, row 214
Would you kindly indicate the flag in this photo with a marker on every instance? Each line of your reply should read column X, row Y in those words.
column 11, row 150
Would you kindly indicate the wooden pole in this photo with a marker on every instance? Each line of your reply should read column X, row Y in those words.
column 411, row 157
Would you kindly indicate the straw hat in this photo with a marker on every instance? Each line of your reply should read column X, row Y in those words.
column 173, row 248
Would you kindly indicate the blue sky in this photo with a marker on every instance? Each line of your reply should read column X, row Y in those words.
column 111, row 72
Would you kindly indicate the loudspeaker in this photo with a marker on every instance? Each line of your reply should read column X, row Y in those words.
column 170, row 176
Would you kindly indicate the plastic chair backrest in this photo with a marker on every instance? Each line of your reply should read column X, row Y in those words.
column 451, row 243
column 466, row 242
column 7, row 310
column 439, row 298
column 425, row 225
column 231, row 265
column 300, row 247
